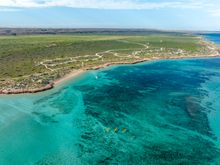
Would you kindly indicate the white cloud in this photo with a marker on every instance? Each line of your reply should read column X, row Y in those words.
column 215, row 13
column 104, row 4
column 209, row 6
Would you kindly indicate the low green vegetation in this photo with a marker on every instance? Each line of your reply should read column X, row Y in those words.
column 33, row 61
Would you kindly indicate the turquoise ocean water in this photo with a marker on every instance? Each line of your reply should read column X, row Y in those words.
column 161, row 112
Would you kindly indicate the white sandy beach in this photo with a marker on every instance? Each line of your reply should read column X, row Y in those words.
column 69, row 76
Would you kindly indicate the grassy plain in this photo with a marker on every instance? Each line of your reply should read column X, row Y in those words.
column 34, row 61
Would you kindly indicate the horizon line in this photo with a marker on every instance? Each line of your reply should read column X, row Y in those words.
column 111, row 28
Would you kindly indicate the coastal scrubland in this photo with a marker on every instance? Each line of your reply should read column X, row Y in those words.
column 33, row 61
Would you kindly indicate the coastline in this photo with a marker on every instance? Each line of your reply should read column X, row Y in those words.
column 150, row 59
column 67, row 77
column 76, row 73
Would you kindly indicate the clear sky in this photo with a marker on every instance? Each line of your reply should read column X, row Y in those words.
column 156, row 14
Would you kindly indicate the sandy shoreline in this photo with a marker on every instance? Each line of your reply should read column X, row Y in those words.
column 69, row 76
column 76, row 73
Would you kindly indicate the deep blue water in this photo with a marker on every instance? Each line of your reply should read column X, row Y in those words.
column 162, row 112
column 214, row 37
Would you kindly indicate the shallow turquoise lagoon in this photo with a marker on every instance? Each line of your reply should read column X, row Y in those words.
column 162, row 112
